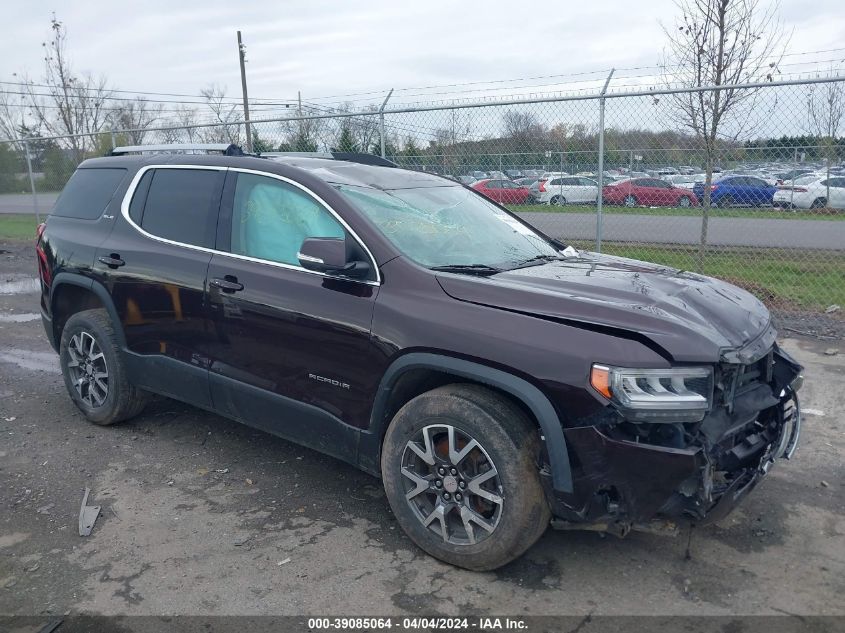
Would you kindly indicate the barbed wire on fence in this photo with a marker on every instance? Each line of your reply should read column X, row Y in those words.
column 772, row 232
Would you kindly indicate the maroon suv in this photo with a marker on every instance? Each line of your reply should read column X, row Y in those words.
column 497, row 381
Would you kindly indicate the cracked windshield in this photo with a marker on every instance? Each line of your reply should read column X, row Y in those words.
column 450, row 227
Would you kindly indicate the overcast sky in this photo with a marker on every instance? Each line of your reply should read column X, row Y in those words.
column 327, row 48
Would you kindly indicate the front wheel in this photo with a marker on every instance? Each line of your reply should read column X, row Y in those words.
column 630, row 201
column 557, row 201
column 684, row 202
column 459, row 465
column 93, row 370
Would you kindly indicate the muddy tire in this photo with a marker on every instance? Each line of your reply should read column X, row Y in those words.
column 459, row 465
column 93, row 370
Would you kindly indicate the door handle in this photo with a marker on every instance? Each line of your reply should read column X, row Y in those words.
column 229, row 283
column 112, row 260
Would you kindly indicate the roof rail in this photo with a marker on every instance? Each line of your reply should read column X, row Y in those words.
column 227, row 149
column 352, row 157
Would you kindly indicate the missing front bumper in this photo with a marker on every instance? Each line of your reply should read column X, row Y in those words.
column 625, row 485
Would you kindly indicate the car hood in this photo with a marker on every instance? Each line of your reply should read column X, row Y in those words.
column 692, row 317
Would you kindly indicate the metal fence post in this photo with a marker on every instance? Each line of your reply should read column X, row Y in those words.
column 31, row 181
column 113, row 142
column 601, row 162
column 381, row 121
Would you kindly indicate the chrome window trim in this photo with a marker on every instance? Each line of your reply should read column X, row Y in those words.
column 127, row 199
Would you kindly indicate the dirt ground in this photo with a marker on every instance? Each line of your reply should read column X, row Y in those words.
column 201, row 515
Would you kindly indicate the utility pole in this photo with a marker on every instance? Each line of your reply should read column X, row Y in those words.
column 242, row 59
column 299, row 114
column 599, row 218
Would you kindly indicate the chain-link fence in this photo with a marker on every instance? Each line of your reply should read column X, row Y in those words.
column 769, row 218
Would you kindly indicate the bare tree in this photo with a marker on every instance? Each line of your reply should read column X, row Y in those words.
column 67, row 104
column 135, row 117
column 224, row 112
column 719, row 43
column 826, row 109
column 522, row 127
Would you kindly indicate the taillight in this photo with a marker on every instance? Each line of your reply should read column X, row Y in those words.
column 714, row 187
column 542, row 185
column 801, row 189
column 43, row 267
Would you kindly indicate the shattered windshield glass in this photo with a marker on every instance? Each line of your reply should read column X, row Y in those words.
column 449, row 226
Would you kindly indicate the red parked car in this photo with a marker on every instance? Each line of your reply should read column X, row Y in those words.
column 649, row 192
column 503, row 191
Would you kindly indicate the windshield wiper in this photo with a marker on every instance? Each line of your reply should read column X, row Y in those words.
column 469, row 269
column 537, row 260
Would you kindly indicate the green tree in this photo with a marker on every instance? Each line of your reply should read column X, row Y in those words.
column 346, row 141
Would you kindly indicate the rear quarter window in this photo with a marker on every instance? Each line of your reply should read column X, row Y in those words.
column 182, row 205
column 88, row 193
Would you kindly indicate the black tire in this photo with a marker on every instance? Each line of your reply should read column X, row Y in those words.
column 630, row 201
column 557, row 201
column 685, row 202
column 819, row 203
column 122, row 399
column 504, row 435
column 725, row 202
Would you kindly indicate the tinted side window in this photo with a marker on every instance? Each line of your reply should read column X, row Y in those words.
column 88, row 192
column 271, row 219
column 494, row 184
column 139, row 197
column 182, row 205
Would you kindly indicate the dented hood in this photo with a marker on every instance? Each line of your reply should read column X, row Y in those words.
column 692, row 317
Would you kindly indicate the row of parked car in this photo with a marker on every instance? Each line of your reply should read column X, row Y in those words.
column 799, row 189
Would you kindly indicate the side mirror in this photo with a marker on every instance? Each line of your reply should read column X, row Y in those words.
column 330, row 255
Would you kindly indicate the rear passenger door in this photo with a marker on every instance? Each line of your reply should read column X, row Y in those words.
column 154, row 264
column 291, row 351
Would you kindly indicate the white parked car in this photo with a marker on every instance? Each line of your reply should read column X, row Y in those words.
column 684, row 181
column 566, row 189
column 811, row 192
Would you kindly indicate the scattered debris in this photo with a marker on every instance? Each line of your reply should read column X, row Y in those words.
column 248, row 482
column 283, row 562
column 202, row 471
column 222, row 471
column 87, row 515
column 241, row 540
column 33, row 568
column 11, row 419
column 833, row 308
column 831, row 351
column 817, row 412
column 13, row 581
column 45, row 509
column 51, row 626
column 825, row 484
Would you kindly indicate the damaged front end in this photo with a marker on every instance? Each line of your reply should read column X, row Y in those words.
column 681, row 444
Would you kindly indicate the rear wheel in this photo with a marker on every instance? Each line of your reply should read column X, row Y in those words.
column 557, row 200
column 459, row 465
column 725, row 201
column 93, row 370
column 819, row 203
column 630, row 201
column 684, row 202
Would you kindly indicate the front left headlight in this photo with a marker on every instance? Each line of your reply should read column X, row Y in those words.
column 677, row 394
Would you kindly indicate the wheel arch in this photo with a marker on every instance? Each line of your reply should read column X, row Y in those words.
column 417, row 372
column 71, row 293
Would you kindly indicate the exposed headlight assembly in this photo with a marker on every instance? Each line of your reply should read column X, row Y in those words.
column 678, row 394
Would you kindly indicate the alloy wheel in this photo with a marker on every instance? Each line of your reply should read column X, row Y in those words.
column 88, row 370
column 452, row 485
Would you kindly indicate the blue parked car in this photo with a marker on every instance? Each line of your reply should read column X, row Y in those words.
column 737, row 190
